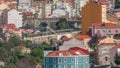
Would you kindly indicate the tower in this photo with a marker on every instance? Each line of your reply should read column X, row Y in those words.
column 92, row 12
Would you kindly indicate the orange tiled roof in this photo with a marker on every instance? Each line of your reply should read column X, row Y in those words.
column 107, row 44
column 106, row 24
column 78, row 49
column 117, row 14
column 27, row 13
column 102, row 0
column 7, row 26
column 81, row 37
column 117, row 46
column 19, row 47
column 66, row 39
column 74, row 51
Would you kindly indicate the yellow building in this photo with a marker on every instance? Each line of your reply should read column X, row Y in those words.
column 92, row 12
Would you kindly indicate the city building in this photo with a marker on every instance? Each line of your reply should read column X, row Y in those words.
column 48, row 10
column 96, row 14
column 109, row 4
column 3, row 6
column 14, row 17
column 72, row 58
column 24, row 4
column 10, row 29
column 105, row 29
column 80, row 41
column 107, row 49
column 104, row 53
column 114, row 16
column 115, row 50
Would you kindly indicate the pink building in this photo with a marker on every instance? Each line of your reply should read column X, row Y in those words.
column 104, row 53
column 103, row 30
column 11, row 29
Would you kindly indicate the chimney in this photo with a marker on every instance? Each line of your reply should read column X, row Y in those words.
column 60, row 53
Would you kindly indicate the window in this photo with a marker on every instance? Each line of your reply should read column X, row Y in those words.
column 54, row 66
column 80, row 59
column 72, row 59
column 103, row 30
column 98, row 31
column 72, row 66
column 65, row 59
column 116, row 31
column 109, row 31
column 54, row 59
column 106, row 58
column 59, row 66
column 47, row 59
column 60, row 60
column 80, row 65
column 65, row 66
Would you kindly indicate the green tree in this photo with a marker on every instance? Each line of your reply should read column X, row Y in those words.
column 117, row 59
column 116, row 36
column 117, row 4
column 38, row 54
column 14, row 41
column 61, row 24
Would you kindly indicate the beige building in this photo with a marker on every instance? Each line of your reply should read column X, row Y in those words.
column 23, row 49
column 2, row 7
column 48, row 9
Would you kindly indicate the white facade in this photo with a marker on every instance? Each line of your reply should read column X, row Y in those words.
column 58, row 13
column 15, row 17
column 72, row 43
column 48, row 8
column 104, row 13
column 24, row 4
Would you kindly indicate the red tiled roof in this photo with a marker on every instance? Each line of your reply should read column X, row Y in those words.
column 81, row 50
column 71, row 52
column 19, row 47
column 56, row 53
column 66, row 39
column 27, row 13
column 4, row 1
column 117, row 14
column 106, row 24
column 117, row 46
column 102, row 0
column 107, row 44
column 7, row 26
column 81, row 37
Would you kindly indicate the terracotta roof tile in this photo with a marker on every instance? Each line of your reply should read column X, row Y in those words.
column 81, row 37
column 74, row 51
column 19, row 47
column 107, row 44
column 66, row 39
column 117, row 46
column 106, row 24
column 102, row 0
column 117, row 14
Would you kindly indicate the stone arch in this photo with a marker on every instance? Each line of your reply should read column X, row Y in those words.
column 62, row 37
